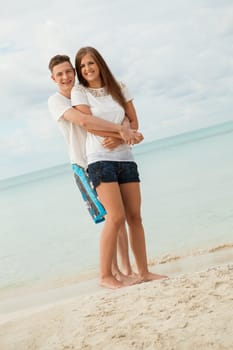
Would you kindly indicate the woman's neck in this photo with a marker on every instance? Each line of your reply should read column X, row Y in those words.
column 97, row 84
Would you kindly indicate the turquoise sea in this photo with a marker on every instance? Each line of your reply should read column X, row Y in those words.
column 46, row 232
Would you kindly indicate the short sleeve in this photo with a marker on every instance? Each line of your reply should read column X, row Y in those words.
column 126, row 93
column 79, row 96
column 58, row 105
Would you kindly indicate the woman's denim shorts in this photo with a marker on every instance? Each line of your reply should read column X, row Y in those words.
column 113, row 171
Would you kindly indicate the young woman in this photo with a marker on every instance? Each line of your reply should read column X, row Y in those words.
column 113, row 172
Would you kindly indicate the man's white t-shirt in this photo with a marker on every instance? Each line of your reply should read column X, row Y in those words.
column 74, row 134
column 104, row 106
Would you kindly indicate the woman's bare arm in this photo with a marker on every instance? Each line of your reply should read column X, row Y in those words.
column 131, row 114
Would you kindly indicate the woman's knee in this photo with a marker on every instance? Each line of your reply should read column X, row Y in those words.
column 116, row 220
column 134, row 219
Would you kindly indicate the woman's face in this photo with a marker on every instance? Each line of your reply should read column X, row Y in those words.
column 90, row 71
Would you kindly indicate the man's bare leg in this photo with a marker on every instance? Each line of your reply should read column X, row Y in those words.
column 123, row 251
column 127, row 279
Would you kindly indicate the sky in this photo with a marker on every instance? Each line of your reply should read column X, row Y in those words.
column 176, row 57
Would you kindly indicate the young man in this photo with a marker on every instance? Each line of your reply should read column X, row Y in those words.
column 74, row 125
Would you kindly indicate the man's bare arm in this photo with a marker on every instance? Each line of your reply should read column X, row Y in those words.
column 123, row 130
column 103, row 133
column 91, row 122
column 97, row 125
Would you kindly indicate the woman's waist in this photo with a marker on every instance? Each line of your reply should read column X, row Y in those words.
column 119, row 154
column 95, row 145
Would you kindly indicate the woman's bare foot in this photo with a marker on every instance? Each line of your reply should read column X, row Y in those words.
column 110, row 282
column 149, row 276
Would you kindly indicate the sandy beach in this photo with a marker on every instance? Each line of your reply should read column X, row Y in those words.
column 190, row 310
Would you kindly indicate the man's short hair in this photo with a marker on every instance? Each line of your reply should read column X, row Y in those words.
column 55, row 60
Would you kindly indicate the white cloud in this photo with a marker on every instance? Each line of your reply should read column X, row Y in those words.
column 176, row 57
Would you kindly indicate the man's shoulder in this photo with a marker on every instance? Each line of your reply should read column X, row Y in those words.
column 57, row 100
column 58, row 97
column 54, row 98
column 58, row 105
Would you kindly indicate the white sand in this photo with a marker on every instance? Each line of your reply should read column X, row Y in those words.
column 188, row 311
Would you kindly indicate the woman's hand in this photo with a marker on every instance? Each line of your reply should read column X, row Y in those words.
column 111, row 142
column 127, row 134
column 138, row 137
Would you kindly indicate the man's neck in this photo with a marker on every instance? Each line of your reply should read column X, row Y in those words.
column 67, row 94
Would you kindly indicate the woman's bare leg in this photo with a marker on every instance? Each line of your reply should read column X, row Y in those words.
column 132, row 202
column 110, row 196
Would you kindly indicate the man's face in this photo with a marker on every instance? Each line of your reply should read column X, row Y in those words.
column 63, row 74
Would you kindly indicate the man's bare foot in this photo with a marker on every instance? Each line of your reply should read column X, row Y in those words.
column 128, row 272
column 125, row 280
column 133, row 274
column 110, row 282
column 149, row 276
column 131, row 280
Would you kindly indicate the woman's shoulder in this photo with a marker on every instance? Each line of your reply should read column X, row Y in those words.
column 79, row 87
column 125, row 91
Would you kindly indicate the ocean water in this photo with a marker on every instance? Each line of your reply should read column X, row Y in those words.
column 187, row 204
